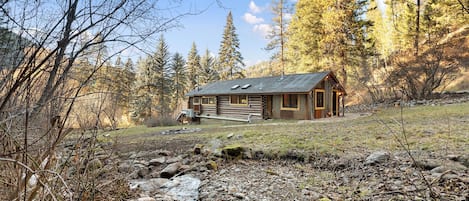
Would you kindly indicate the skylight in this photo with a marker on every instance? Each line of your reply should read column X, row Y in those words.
column 235, row 86
column 246, row 86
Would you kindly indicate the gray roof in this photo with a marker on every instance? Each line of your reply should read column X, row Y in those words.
column 297, row 83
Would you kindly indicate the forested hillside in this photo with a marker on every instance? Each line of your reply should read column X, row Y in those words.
column 379, row 49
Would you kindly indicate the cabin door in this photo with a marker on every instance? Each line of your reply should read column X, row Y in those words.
column 267, row 100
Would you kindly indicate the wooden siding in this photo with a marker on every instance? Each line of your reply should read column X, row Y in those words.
column 208, row 110
column 301, row 113
column 224, row 108
column 328, row 89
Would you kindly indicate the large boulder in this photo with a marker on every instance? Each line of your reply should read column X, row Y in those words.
column 233, row 151
column 148, row 185
column 183, row 188
column 157, row 161
column 170, row 170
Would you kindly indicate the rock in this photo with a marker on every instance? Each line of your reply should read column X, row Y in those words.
column 215, row 145
column 464, row 160
column 448, row 167
column 239, row 195
column 428, row 164
column 377, row 157
column 157, row 161
column 185, row 188
column 247, row 154
column 184, row 168
column 233, row 151
column 164, row 197
column 229, row 136
column 170, row 170
column 212, row 165
column 198, row 148
column 134, row 175
column 453, row 157
column 174, row 159
column 164, row 153
column 141, row 163
column 148, row 185
column 124, row 167
column 146, row 199
column 143, row 172
column 95, row 164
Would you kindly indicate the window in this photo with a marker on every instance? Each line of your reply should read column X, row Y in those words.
column 196, row 100
column 238, row 99
column 246, row 86
column 208, row 100
column 290, row 101
column 319, row 93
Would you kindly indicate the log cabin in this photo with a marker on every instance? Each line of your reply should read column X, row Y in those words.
column 297, row 96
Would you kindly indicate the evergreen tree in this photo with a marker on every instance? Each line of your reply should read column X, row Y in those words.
column 118, row 63
column 230, row 59
column 179, row 79
column 380, row 33
column 278, row 36
column 328, row 35
column 401, row 14
column 128, row 82
column 161, row 79
column 305, row 33
column 144, row 91
column 129, row 65
column 209, row 73
column 193, row 66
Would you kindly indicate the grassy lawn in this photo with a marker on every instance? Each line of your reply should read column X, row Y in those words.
column 433, row 128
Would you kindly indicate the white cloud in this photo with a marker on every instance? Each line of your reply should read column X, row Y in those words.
column 254, row 8
column 263, row 29
column 249, row 63
column 252, row 19
column 288, row 16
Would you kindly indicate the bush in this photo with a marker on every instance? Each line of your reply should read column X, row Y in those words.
column 162, row 121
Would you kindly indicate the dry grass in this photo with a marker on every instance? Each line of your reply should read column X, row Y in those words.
column 433, row 128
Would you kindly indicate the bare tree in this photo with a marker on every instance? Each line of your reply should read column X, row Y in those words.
column 38, row 88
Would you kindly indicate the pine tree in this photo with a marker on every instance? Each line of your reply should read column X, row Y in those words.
column 179, row 79
column 128, row 78
column 118, row 63
column 142, row 100
column 402, row 16
column 278, row 36
column 230, row 62
column 380, row 33
column 161, row 79
column 328, row 35
column 209, row 73
column 306, row 31
column 193, row 66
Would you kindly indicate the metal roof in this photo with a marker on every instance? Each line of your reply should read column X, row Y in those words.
column 297, row 83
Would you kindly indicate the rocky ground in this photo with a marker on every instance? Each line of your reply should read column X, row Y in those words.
column 186, row 168
column 203, row 175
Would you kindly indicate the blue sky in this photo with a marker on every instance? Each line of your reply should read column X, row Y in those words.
column 252, row 19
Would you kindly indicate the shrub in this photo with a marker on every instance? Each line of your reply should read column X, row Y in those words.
column 161, row 121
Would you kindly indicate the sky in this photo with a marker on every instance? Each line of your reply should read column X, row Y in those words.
column 252, row 19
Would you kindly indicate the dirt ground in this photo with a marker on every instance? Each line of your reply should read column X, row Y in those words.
column 435, row 167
